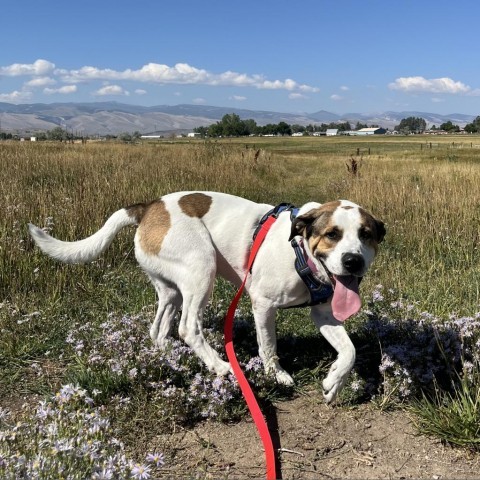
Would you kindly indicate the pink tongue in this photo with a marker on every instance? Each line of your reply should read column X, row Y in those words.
column 346, row 300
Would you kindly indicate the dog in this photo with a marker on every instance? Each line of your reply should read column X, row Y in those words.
column 185, row 239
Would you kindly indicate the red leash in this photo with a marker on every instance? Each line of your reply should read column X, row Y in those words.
column 247, row 392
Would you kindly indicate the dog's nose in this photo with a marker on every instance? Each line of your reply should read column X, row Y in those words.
column 353, row 262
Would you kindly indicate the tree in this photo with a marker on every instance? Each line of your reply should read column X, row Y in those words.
column 449, row 127
column 473, row 127
column 57, row 134
column 298, row 128
column 125, row 137
column 215, row 130
column 251, row 126
column 202, row 131
column 229, row 126
column 412, row 125
column 284, row 128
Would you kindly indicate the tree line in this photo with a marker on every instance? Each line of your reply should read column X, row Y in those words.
column 418, row 125
column 231, row 125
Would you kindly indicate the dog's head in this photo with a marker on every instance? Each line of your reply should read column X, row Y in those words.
column 342, row 235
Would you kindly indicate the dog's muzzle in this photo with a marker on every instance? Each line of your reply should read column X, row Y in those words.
column 353, row 263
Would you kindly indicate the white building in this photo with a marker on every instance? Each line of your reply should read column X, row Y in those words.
column 193, row 134
column 331, row 132
column 371, row 131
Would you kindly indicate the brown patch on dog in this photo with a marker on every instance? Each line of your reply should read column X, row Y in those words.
column 317, row 227
column 195, row 204
column 306, row 223
column 137, row 211
column 153, row 227
column 325, row 235
column 372, row 230
column 321, row 246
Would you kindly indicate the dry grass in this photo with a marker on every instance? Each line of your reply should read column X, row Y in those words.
column 429, row 198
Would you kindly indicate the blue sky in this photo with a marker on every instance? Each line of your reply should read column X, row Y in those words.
column 351, row 56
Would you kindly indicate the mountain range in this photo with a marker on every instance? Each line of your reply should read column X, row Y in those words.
column 112, row 118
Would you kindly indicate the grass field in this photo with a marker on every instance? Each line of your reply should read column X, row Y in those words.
column 53, row 316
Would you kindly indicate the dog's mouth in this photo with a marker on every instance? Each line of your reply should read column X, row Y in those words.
column 346, row 298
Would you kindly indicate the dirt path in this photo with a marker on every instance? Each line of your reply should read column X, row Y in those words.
column 318, row 442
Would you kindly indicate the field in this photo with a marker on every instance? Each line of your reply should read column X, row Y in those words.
column 418, row 337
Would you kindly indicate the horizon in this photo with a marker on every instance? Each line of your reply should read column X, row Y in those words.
column 270, row 56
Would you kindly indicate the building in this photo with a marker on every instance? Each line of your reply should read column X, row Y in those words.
column 193, row 134
column 371, row 131
column 332, row 132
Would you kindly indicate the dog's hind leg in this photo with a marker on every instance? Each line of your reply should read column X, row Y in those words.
column 169, row 301
column 190, row 328
column 196, row 285
column 267, row 341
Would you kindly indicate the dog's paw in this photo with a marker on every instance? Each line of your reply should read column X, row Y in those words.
column 272, row 367
column 223, row 368
column 333, row 384
column 283, row 378
column 329, row 395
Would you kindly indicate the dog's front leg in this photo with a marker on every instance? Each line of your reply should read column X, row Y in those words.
column 334, row 332
column 267, row 341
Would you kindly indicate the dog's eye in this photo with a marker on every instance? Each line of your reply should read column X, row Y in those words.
column 365, row 234
column 332, row 234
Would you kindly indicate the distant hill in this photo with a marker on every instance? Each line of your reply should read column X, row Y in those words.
column 105, row 118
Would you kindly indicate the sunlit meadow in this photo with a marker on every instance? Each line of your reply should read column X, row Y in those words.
column 82, row 330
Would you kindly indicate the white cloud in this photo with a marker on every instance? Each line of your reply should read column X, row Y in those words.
column 297, row 96
column 181, row 74
column 65, row 90
column 238, row 98
column 344, row 88
column 437, row 100
column 44, row 73
column 199, row 101
column 15, row 97
column 434, row 85
column 39, row 67
column 111, row 90
column 336, row 97
column 40, row 82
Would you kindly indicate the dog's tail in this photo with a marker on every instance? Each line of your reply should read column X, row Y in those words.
column 88, row 249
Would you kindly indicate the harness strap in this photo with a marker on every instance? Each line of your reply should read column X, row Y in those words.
column 247, row 391
column 274, row 212
column 319, row 292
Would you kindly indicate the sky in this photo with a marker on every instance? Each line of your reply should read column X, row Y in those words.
column 341, row 56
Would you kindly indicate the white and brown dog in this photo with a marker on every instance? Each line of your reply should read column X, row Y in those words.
column 185, row 239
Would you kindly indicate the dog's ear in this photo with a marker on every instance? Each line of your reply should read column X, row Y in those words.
column 381, row 230
column 302, row 224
